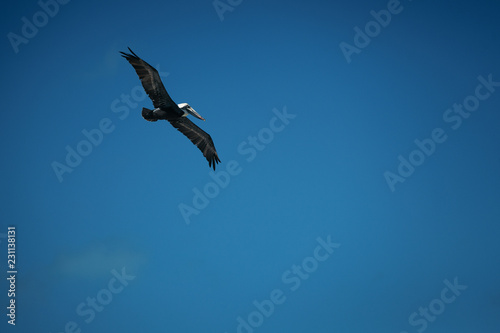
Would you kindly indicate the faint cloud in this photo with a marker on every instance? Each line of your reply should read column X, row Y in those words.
column 96, row 260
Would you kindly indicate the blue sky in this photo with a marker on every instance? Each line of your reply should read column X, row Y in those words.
column 325, row 215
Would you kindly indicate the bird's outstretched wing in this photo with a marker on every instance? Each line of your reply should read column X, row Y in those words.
column 200, row 138
column 150, row 80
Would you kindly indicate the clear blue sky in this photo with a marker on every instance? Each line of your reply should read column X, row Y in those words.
column 359, row 183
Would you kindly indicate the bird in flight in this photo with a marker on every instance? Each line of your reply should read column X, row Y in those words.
column 166, row 109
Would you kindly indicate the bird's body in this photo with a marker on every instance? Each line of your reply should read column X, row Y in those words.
column 160, row 114
column 166, row 109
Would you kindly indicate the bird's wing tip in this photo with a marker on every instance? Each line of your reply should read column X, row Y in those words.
column 128, row 56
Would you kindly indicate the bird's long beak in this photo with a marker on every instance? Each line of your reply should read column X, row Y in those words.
column 191, row 111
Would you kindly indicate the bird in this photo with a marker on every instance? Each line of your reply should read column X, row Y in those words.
column 166, row 109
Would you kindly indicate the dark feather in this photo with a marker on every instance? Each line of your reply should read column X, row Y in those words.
column 199, row 137
column 150, row 80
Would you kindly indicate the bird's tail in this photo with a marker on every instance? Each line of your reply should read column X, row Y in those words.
column 148, row 115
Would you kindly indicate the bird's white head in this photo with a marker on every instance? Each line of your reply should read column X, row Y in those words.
column 189, row 110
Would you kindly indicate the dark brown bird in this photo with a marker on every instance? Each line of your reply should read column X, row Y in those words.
column 166, row 109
